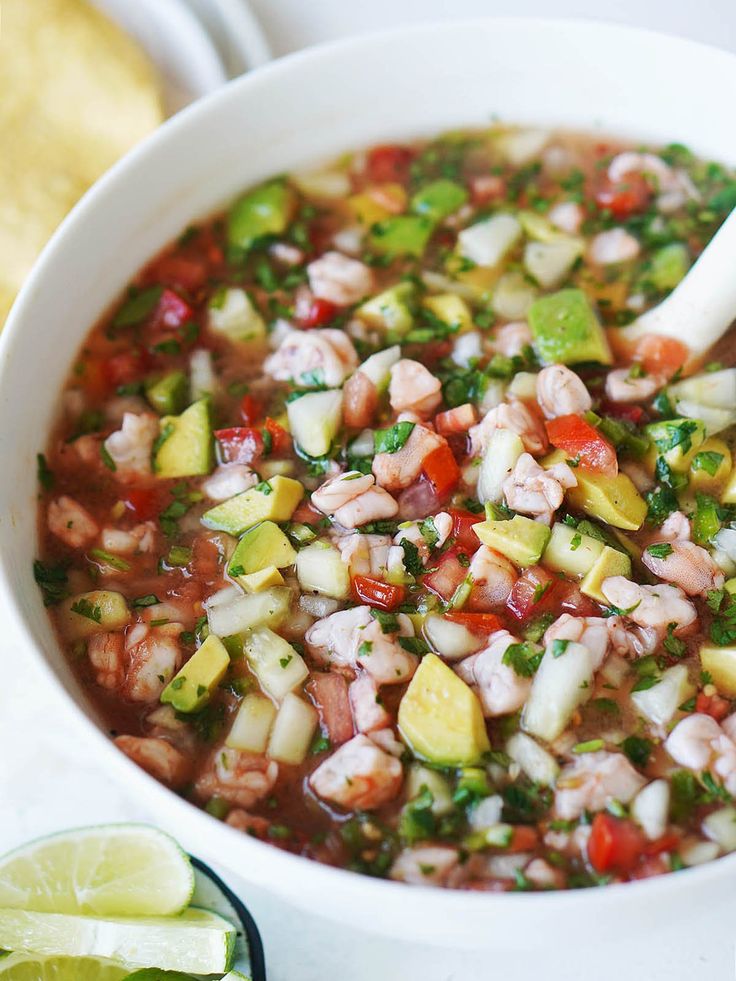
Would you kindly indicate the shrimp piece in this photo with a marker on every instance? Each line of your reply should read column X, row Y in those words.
column 395, row 471
column 532, row 490
column 340, row 280
column 375, row 504
column 631, row 641
column 130, row 447
column 328, row 354
column 228, row 480
column 457, row 420
column 334, row 639
column 106, row 655
column 412, row 532
column 612, row 247
column 368, row 712
column 688, row 566
column 516, row 417
column 157, row 757
column 138, row 540
column 358, row 776
column 500, row 689
column 251, row 824
column 352, row 500
column 675, row 186
column 365, row 555
column 676, row 528
column 592, row 632
column 286, row 253
column 543, row 875
column 386, row 740
column 568, row 216
column 414, row 388
column 382, row 656
column 359, row 401
column 340, row 490
column 425, row 865
column 560, row 392
column 240, row 778
column 154, row 657
column 621, row 386
column 592, row 781
column 511, row 339
column 699, row 743
column 493, row 578
column 650, row 606
column 72, row 523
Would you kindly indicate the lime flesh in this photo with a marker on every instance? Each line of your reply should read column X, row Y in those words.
column 27, row 967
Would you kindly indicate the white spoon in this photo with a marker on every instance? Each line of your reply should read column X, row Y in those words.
column 702, row 306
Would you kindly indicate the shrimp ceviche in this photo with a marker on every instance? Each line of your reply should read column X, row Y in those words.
column 366, row 532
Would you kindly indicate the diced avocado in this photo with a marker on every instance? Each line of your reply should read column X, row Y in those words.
column 320, row 569
column 255, row 582
column 185, row 444
column 262, row 546
column 391, row 309
column 441, row 718
column 231, row 312
column 168, row 395
column 315, row 419
column 267, row 210
column 677, row 440
column 668, row 266
column 438, row 199
column 610, row 562
column 401, row 235
column 711, row 466
column 571, row 552
column 92, row 613
column 191, row 689
column 521, row 540
column 451, row 309
column 367, row 210
column 720, row 663
column 566, row 329
column 730, row 586
column 613, row 500
column 378, row 366
column 271, row 500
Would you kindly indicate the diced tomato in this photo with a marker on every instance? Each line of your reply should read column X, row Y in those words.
column 205, row 559
column 124, row 368
column 307, row 514
column 329, row 692
column 250, row 410
column 376, row 592
column 531, row 593
column 186, row 272
column 315, row 313
column 583, row 442
column 448, row 572
column 568, row 597
column 171, row 312
column 144, row 502
column 280, row 439
column 661, row 355
column 667, row 842
column 650, row 866
column 615, row 844
column 389, row 163
column 462, row 528
column 485, row 188
column 630, row 196
column 715, row 706
column 524, row 838
column 477, row 623
column 619, row 410
column 240, row 444
column 441, row 470
column 457, row 420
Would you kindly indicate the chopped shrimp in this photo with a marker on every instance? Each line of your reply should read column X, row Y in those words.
column 412, row 532
column 394, row 471
column 338, row 491
column 493, row 577
column 358, row 776
column 532, row 490
column 157, row 757
column 613, row 246
column 386, row 740
column 365, row 555
column 637, row 474
column 106, row 655
column 286, row 253
column 568, row 216
column 544, row 875
column 352, row 499
column 674, row 186
column 335, row 639
column 154, row 657
column 340, row 280
column 560, row 392
column 359, row 401
column 425, row 865
column 327, row 354
column 229, row 480
column 382, row 656
column 414, row 388
column 130, row 447
column 649, row 606
column 238, row 777
column 500, row 689
column 511, row 339
column 676, row 528
column 457, row 420
column 688, row 566
column 138, row 540
column 631, row 641
column 72, row 523
column 621, row 386
column 516, row 417
column 591, row 632
column 251, row 824
column 368, row 712
column 699, row 743
column 592, row 781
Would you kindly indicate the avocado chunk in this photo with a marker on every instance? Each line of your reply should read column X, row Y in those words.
column 570, row 551
column 711, row 466
column 366, row 209
column 92, row 613
column 196, row 682
column 255, row 582
column 267, row 210
column 521, row 540
column 441, row 718
column 566, row 329
column 720, row 663
column 315, row 419
column 668, row 266
column 438, row 199
column 613, row 500
column 271, row 500
column 401, row 235
column 451, row 309
column 677, row 440
column 184, row 447
column 168, row 395
column 610, row 562
column 262, row 546
column 391, row 309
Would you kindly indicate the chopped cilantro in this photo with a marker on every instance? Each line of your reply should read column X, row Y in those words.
column 524, row 658
column 707, row 460
column 387, row 621
column 661, row 550
column 52, row 580
column 84, row 608
column 392, row 439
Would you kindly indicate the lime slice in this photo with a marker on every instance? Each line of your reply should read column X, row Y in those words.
column 154, row 974
column 110, row 870
column 26, row 967
column 236, row 976
column 196, row 941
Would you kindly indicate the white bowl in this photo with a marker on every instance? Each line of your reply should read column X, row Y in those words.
column 309, row 106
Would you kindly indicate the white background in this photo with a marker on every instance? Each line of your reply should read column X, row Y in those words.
column 48, row 783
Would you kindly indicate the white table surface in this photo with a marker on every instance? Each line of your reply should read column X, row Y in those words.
column 48, row 782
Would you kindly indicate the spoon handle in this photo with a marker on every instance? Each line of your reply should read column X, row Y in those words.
column 703, row 306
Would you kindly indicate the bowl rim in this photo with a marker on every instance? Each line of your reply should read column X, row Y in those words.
column 294, row 867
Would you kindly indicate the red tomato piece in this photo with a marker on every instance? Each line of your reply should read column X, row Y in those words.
column 389, row 163
column 171, row 312
column 448, row 572
column 477, row 623
column 531, row 593
column 315, row 313
column 619, row 410
column 329, row 692
column 629, row 197
column 457, row 420
column 143, row 502
column 569, row 598
column 441, row 470
column 240, row 444
column 186, row 272
column 524, row 838
column 376, row 592
column 615, row 844
column 715, row 706
column 250, row 410
column 462, row 528
column 124, row 368
column 661, row 355
column 667, row 842
column 280, row 439
column 583, row 442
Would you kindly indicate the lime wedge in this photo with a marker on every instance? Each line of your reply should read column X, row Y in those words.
column 154, row 974
column 26, row 967
column 235, row 976
column 196, row 941
column 110, row 870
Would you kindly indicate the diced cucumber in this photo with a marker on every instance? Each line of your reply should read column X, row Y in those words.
column 315, row 419
column 512, row 296
column 185, row 447
column 252, row 725
column 420, row 777
column 198, row 679
column 94, row 612
column 230, row 612
column 560, row 685
column 713, row 388
column 501, row 456
column 378, row 368
column 168, row 395
column 320, row 569
column 276, row 664
column 523, row 386
column 659, row 703
column 266, row 210
column 550, row 262
column 231, row 313
column 292, row 731
column 390, row 310
column 720, row 826
column 571, row 552
column 539, row 765
column 272, row 500
column 487, row 242
column 452, row 641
